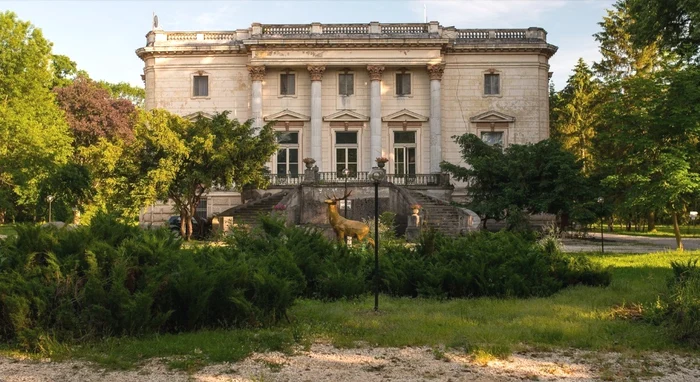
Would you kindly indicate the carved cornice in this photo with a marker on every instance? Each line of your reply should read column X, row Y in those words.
column 316, row 72
column 435, row 71
column 257, row 72
column 375, row 72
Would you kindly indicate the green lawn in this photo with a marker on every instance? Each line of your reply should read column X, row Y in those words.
column 579, row 317
column 664, row 231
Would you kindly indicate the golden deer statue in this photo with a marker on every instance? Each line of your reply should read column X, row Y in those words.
column 344, row 227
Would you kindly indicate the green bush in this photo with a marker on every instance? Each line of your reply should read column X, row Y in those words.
column 679, row 309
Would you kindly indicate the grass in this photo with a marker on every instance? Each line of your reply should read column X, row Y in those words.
column 665, row 231
column 578, row 317
column 7, row 230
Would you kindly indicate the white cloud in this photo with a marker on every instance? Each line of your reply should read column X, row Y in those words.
column 484, row 14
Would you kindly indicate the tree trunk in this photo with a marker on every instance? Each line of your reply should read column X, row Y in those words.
column 2, row 216
column 183, row 224
column 652, row 221
column 189, row 222
column 677, row 232
column 629, row 224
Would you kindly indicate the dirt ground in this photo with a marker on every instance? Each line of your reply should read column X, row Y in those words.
column 326, row 363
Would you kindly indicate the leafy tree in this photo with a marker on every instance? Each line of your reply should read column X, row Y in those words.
column 71, row 187
column 123, row 90
column 64, row 70
column 648, row 143
column 573, row 114
column 34, row 137
column 676, row 21
column 93, row 113
column 534, row 178
column 173, row 158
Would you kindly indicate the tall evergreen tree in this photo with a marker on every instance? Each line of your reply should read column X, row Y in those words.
column 573, row 114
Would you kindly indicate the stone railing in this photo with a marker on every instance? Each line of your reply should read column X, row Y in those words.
column 345, row 29
column 404, row 28
column 182, row 36
column 501, row 34
column 286, row 29
column 332, row 177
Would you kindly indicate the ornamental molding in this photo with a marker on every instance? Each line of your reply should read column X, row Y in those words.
column 195, row 115
column 375, row 72
column 492, row 116
column 405, row 115
column 257, row 72
column 316, row 72
column 287, row 115
column 346, row 116
column 435, row 71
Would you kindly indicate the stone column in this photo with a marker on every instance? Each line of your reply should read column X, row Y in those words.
column 435, row 72
column 316, row 113
column 257, row 74
column 375, row 114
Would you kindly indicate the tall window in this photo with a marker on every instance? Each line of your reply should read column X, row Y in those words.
column 346, row 152
column 404, row 153
column 346, row 84
column 492, row 138
column 403, row 84
column 288, row 154
column 200, row 86
column 287, row 84
column 492, row 84
column 201, row 212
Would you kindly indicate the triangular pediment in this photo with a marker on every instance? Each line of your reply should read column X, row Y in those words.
column 194, row 116
column 346, row 116
column 287, row 115
column 404, row 115
column 492, row 116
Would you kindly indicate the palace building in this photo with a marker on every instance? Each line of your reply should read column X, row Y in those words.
column 345, row 94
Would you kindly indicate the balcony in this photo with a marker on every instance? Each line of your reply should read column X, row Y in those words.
column 362, row 177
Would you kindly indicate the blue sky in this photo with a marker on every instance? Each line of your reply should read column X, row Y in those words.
column 101, row 36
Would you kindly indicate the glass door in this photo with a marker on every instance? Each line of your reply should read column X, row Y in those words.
column 346, row 153
column 288, row 155
column 405, row 154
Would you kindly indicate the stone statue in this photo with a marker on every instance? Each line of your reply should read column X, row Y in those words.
column 344, row 227
column 155, row 21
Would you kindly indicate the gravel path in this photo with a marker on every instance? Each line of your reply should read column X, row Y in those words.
column 326, row 363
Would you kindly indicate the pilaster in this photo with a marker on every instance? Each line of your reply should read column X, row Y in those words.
column 316, row 73
column 435, row 72
column 257, row 74
column 375, row 114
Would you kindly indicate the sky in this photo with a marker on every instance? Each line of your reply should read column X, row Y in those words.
column 101, row 36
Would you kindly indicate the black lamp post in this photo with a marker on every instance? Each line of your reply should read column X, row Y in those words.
column 346, row 172
column 377, row 175
column 602, row 240
column 50, row 199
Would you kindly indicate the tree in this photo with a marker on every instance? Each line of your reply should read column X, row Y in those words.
column 620, row 56
column 676, row 21
column 34, row 138
column 123, row 90
column 534, row 178
column 648, row 143
column 573, row 114
column 64, row 70
column 93, row 113
column 173, row 158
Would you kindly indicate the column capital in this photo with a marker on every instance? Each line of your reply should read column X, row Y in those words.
column 375, row 72
column 316, row 72
column 257, row 72
column 435, row 71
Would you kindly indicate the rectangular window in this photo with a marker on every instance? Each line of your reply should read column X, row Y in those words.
column 403, row 84
column 346, row 152
column 492, row 84
column 404, row 153
column 287, row 84
column 288, row 154
column 492, row 138
column 346, row 84
column 200, row 86
column 202, row 209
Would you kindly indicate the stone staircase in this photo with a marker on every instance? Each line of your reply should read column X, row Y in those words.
column 247, row 214
column 438, row 214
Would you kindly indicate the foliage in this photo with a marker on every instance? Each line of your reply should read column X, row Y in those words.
column 676, row 21
column 123, row 90
column 92, row 112
column 113, row 279
column 175, row 159
column 679, row 308
column 34, row 138
column 534, row 178
column 573, row 114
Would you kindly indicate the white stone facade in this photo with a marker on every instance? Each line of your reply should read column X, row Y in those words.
column 443, row 91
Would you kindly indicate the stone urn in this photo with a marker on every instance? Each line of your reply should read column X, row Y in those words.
column 381, row 162
column 309, row 162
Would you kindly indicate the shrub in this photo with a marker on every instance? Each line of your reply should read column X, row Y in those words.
column 679, row 309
